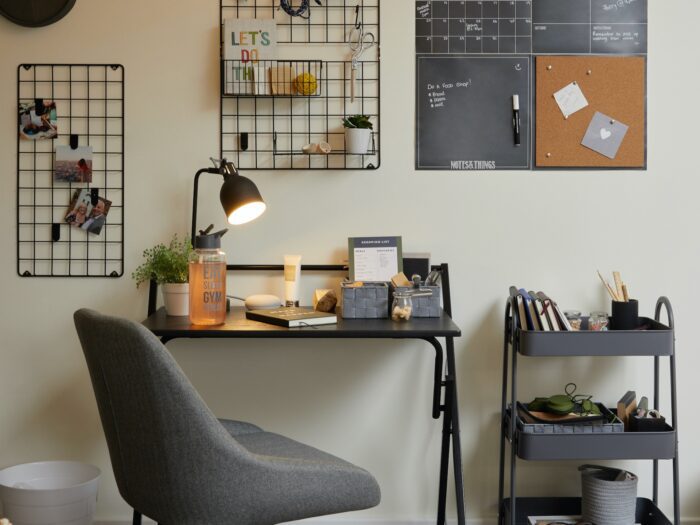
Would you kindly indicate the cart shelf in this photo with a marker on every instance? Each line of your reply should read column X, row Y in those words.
column 656, row 340
column 596, row 445
column 647, row 512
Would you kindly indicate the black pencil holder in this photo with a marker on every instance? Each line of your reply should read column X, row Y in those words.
column 625, row 315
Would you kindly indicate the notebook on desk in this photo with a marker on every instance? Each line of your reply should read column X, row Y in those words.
column 292, row 317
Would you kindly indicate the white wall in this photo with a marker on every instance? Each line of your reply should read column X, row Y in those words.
column 366, row 402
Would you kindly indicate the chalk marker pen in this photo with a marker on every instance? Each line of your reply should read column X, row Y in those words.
column 516, row 119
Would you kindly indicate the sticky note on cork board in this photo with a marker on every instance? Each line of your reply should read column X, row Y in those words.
column 613, row 86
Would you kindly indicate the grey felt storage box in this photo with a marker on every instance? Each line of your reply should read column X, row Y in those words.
column 423, row 306
column 370, row 301
column 609, row 425
column 594, row 445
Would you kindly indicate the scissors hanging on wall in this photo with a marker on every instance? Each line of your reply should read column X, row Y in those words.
column 302, row 11
column 360, row 41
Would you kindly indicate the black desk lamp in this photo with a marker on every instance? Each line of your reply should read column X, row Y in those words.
column 239, row 195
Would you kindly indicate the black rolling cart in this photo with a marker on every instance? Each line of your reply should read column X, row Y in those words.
column 657, row 342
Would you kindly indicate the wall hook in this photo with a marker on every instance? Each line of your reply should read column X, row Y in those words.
column 56, row 232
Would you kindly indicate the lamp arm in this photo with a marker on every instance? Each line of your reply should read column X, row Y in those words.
column 215, row 171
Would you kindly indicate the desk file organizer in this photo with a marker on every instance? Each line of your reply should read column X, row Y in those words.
column 657, row 341
column 90, row 111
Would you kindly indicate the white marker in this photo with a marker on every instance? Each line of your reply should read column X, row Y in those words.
column 516, row 119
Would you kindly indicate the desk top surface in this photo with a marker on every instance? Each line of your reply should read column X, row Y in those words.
column 237, row 326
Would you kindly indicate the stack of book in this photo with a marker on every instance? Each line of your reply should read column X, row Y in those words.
column 537, row 311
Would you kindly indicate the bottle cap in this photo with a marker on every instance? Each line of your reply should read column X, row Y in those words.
column 209, row 241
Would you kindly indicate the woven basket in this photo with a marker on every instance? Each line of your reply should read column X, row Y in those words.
column 606, row 501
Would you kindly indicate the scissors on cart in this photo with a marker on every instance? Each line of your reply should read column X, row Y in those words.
column 360, row 41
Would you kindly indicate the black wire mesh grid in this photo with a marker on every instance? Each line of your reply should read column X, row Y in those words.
column 89, row 102
column 263, row 128
column 327, row 23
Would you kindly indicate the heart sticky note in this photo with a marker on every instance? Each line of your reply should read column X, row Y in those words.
column 605, row 135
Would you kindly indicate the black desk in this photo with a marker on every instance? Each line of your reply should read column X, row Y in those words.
column 426, row 329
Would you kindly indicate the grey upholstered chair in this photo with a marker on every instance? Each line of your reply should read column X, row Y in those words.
column 177, row 464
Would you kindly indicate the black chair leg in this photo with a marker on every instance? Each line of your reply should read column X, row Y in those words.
column 137, row 518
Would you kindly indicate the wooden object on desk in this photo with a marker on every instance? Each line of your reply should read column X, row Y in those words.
column 616, row 86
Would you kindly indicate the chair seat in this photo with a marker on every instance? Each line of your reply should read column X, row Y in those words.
column 334, row 484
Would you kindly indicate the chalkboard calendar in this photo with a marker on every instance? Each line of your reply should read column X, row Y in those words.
column 473, row 26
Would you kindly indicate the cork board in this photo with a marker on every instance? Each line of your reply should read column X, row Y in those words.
column 616, row 86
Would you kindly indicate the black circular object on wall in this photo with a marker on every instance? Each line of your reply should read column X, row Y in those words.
column 35, row 13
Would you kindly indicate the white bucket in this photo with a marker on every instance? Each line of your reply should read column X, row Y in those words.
column 49, row 493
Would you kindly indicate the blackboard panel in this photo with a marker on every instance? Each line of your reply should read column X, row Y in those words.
column 464, row 112
column 589, row 26
column 614, row 11
column 561, row 11
column 619, row 38
column 562, row 38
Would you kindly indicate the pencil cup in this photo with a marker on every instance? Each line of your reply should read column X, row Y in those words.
column 625, row 315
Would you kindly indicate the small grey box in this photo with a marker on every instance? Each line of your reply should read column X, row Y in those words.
column 370, row 301
column 423, row 306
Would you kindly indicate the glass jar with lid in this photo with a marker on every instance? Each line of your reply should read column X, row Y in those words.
column 574, row 318
column 598, row 321
column 402, row 306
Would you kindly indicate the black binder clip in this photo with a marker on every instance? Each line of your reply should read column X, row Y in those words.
column 74, row 141
column 56, row 232
column 244, row 141
column 39, row 106
column 94, row 194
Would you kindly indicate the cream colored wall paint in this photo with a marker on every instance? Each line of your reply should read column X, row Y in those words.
column 364, row 401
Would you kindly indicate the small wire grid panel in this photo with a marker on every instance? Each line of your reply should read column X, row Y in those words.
column 279, row 118
column 326, row 23
column 90, row 104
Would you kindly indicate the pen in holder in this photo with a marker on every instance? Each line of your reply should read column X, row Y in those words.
column 625, row 315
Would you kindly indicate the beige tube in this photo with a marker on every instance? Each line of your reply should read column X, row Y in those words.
column 292, row 277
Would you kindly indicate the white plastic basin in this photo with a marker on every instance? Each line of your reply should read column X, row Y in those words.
column 49, row 493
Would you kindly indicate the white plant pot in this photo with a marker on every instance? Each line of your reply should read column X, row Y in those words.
column 176, row 298
column 357, row 140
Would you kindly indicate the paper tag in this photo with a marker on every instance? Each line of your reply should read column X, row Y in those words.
column 570, row 99
column 605, row 135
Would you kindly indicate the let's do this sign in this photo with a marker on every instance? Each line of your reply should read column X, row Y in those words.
column 246, row 44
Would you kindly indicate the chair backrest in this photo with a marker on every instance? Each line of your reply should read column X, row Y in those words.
column 155, row 422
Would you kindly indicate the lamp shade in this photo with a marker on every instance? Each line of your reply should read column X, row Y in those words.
column 241, row 199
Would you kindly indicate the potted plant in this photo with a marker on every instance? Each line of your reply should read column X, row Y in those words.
column 168, row 266
column 358, row 133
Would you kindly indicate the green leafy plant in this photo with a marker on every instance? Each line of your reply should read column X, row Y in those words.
column 165, row 264
column 357, row 121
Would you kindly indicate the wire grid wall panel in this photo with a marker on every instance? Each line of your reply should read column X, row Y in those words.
column 276, row 122
column 89, row 102
column 279, row 126
column 326, row 23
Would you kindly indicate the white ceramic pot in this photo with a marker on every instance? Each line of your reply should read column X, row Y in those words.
column 176, row 298
column 357, row 140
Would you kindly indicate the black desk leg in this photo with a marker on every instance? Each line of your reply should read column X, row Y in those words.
column 453, row 407
column 450, row 436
